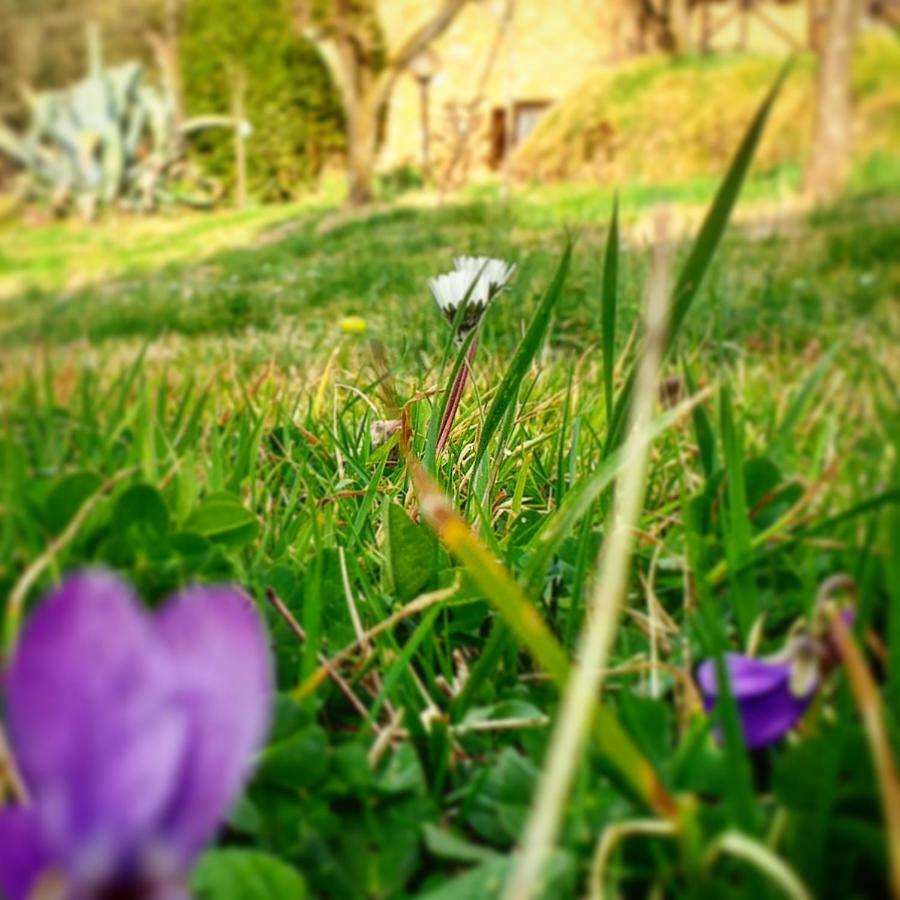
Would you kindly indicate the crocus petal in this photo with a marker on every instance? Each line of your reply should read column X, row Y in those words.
column 23, row 855
column 747, row 676
column 219, row 654
column 767, row 707
column 769, row 717
column 92, row 723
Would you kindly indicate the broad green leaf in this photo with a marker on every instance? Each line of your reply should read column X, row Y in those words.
column 221, row 518
column 410, row 553
column 297, row 762
column 402, row 772
column 239, row 874
column 143, row 507
column 67, row 497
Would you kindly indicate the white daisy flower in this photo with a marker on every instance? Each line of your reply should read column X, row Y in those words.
column 479, row 278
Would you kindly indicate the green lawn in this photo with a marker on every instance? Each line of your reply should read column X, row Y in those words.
column 189, row 379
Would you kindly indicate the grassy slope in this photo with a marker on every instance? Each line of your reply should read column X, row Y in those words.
column 678, row 122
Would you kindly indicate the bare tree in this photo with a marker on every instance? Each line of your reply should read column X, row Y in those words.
column 831, row 155
column 364, row 71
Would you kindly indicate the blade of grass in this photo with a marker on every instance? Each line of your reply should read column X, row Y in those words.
column 892, row 572
column 800, row 400
column 521, row 617
column 579, row 499
column 736, row 523
column 581, row 694
column 400, row 666
column 740, row 796
column 739, row 846
column 610, row 297
column 706, row 442
column 703, row 249
column 868, row 701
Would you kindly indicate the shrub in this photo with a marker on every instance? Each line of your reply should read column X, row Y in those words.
column 289, row 100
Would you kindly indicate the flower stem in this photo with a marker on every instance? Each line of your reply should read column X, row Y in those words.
column 456, row 392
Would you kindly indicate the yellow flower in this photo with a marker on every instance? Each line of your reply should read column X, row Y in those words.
column 353, row 325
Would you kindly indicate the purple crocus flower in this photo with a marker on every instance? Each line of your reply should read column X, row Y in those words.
column 134, row 734
column 770, row 696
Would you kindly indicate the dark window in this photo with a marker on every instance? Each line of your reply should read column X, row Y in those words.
column 526, row 115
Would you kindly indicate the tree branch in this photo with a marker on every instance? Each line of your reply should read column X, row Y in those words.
column 330, row 50
column 427, row 32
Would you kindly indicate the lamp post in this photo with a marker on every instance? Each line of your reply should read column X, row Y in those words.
column 424, row 67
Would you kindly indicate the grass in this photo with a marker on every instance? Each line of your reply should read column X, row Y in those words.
column 198, row 393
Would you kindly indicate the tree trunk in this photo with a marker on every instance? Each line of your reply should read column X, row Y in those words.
column 831, row 155
column 365, row 88
column 362, row 147
column 679, row 15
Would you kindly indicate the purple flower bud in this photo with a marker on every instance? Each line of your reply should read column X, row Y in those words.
column 767, row 706
column 134, row 734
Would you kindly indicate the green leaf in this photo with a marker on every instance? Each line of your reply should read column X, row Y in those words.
column 713, row 227
column 410, row 553
column 296, row 762
column 238, row 874
column 142, row 507
column 522, row 359
column 740, row 796
column 508, row 784
column 221, row 518
column 402, row 772
column 67, row 497
column 400, row 666
column 446, row 845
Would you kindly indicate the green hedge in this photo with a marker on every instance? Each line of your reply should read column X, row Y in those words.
column 290, row 101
